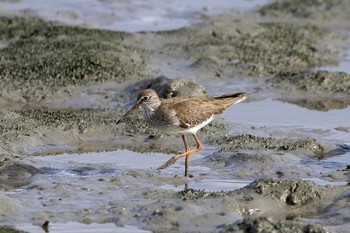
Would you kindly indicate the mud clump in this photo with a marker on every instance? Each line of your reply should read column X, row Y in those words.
column 264, row 224
column 315, row 9
column 232, row 159
column 39, row 131
column 15, row 174
column 192, row 194
column 292, row 192
column 251, row 142
column 319, row 104
column 7, row 229
column 320, row 90
column 168, row 88
column 237, row 48
column 76, row 130
column 314, row 81
column 27, row 122
column 177, row 87
column 49, row 56
column 80, row 118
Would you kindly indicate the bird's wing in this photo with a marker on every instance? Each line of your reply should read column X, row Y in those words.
column 192, row 112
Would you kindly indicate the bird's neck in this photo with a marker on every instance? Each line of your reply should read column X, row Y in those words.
column 151, row 108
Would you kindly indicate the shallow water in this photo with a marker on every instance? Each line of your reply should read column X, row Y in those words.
column 275, row 116
column 119, row 177
column 130, row 16
column 93, row 165
column 260, row 113
column 70, row 227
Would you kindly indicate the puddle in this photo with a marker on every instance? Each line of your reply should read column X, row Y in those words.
column 115, row 159
column 277, row 118
column 75, row 227
column 261, row 113
column 130, row 16
column 332, row 163
column 115, row 162
column 325, row 182
column 212, row 184
column 220, row 184
column 340, row 160
column 109, row 164
column 111, row 187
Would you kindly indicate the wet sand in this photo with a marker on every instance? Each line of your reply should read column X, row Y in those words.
column 276, row 162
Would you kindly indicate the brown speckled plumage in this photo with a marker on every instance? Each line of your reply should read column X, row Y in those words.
column 182, row 115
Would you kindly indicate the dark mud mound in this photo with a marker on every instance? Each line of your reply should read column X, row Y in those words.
column 42, row 57
column 224, row 49
column 319, row 104
column 263, row 224
column 7, row 229
column 292, row 192
column 314, row 9
column 15, row 174
column 251, row 142
column 314, row 81
column 316, row 90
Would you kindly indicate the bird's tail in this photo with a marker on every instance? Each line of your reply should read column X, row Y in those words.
column 233, row 98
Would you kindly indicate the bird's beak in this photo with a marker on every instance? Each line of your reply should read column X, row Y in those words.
column 136, row 107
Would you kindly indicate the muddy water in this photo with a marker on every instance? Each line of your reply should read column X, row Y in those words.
column 129, row 16
column 80, row 228
column 279, row 159
column 260, row 113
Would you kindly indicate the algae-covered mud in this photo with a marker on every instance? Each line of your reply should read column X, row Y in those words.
column 278, row 162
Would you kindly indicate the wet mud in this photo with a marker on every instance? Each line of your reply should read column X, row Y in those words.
column 257, row 224
column 14, row 173
column 63, row 89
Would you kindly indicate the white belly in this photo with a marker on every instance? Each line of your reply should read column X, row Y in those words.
column 177, row 130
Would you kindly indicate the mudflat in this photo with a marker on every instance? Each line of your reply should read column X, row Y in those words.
column 276, row 162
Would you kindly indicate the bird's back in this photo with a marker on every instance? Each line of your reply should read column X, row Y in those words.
column 193, row 111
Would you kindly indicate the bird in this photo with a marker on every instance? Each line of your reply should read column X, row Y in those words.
column 181, row 116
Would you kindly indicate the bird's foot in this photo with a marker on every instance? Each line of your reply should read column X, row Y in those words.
column 168, row 163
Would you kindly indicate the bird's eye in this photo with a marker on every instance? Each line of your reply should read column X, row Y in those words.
column 145, row 98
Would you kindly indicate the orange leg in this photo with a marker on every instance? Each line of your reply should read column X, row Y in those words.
column 187, row 161
column 187, row 154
